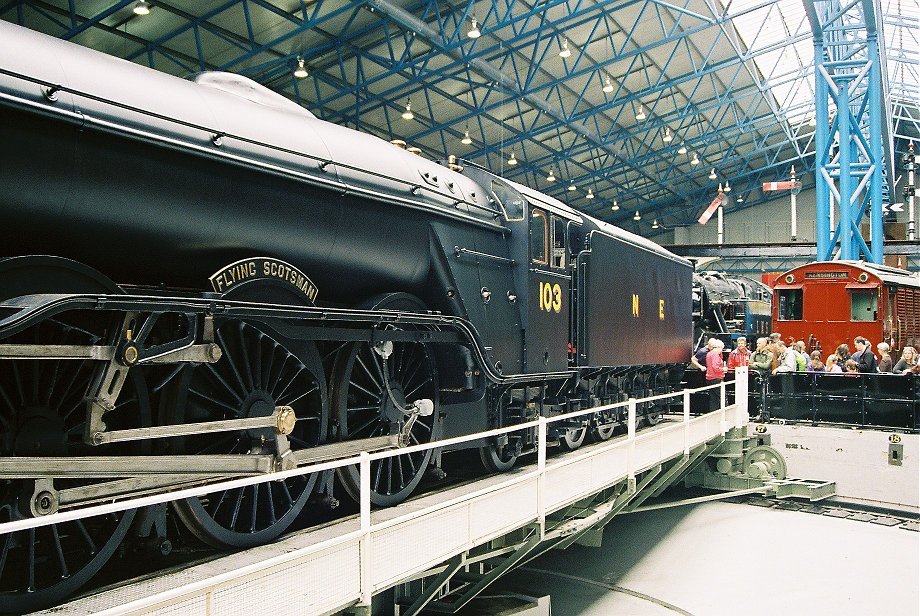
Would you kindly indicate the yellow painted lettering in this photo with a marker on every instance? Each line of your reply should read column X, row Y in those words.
column 635, row 305
column 661, row 309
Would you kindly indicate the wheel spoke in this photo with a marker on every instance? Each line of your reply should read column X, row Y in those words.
column 230, row 390
column 389, row 475
column 369, row 393
column 374, row 419
column 418, row 387
column 229, row 362
column 6, row 550
column 292, row 401
column 402, row 480
column 255, row 506
column 246, row 363
column 270, row 502
column 59, row 551
column 292, row 380
column 213, row 400
column 236, row 508
column 86, row 536
column 30, row 562
column 377, row 384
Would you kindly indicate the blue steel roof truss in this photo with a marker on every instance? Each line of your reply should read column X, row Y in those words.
column 682, row 61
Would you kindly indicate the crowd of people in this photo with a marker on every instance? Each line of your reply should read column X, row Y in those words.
column 773, row 356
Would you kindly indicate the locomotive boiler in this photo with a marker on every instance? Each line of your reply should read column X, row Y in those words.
column 201, row 280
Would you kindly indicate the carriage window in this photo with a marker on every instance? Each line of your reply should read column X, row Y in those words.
column 864, row 306
column 558, row 253
column 790, row 305
column 538, row 233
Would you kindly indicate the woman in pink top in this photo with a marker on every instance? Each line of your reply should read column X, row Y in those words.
column 715, row 372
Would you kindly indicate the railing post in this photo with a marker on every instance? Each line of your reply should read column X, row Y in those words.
column 686, row 423
column 364, row 543
column 722, row 396
column 631, row 452
column 541, row 478
column 741, row 396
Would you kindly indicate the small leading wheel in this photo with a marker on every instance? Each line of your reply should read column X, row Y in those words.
column 498, row 457
column 43, row 413
column 573, row 438
column 364, row 409
column 257, row 372
column 602, row 431
column 764, row 462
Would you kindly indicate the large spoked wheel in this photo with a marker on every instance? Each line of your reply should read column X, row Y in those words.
column 258, row 371
column 43, row 413
column 364, row 409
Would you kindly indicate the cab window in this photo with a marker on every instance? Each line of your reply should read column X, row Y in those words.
column 864, row 306
column 558, row 253
column 790, row 305
column 538, row 236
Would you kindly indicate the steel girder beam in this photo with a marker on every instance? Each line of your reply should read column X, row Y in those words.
column 850, row 70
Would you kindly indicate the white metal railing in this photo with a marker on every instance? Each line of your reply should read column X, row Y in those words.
column 363, row 460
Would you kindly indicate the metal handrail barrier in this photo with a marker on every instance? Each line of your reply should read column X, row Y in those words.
column 94, row 510
column 363, row 533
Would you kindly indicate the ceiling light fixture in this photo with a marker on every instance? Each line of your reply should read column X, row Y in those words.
column 695, row 160
column 512, row 161
column 564, row 52
column 141, row 8
column 608, row 85
column 467, row 140
column 655, row 224
column 407, row 114
column 740, row 199
column 712, row 174
column 474, row 32
column 728, row 188
column 551, row 177
column 616, row 206
column 301, row 71
column 590, row 194
column 640, row 115
column 668, row 137
column 682, row 149
column 572, row 186
column 637, row 217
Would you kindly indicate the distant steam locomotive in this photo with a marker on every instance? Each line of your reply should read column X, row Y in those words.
column 728, row 306
column 203, row 272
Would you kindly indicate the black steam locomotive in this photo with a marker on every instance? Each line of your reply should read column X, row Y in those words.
column 200, row 280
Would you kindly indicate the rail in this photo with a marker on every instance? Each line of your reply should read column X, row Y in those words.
column 696, row 430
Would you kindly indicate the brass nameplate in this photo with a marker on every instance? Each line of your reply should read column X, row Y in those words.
column 263, row 268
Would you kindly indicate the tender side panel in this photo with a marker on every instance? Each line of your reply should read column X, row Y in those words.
column 635, row 307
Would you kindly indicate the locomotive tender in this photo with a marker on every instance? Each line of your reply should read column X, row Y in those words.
column 200, row 280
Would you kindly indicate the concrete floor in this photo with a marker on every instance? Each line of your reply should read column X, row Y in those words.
column 732, row 559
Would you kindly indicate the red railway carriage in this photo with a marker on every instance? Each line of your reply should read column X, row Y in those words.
column 832, row 302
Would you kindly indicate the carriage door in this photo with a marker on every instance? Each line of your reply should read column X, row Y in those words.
column 548, row 285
